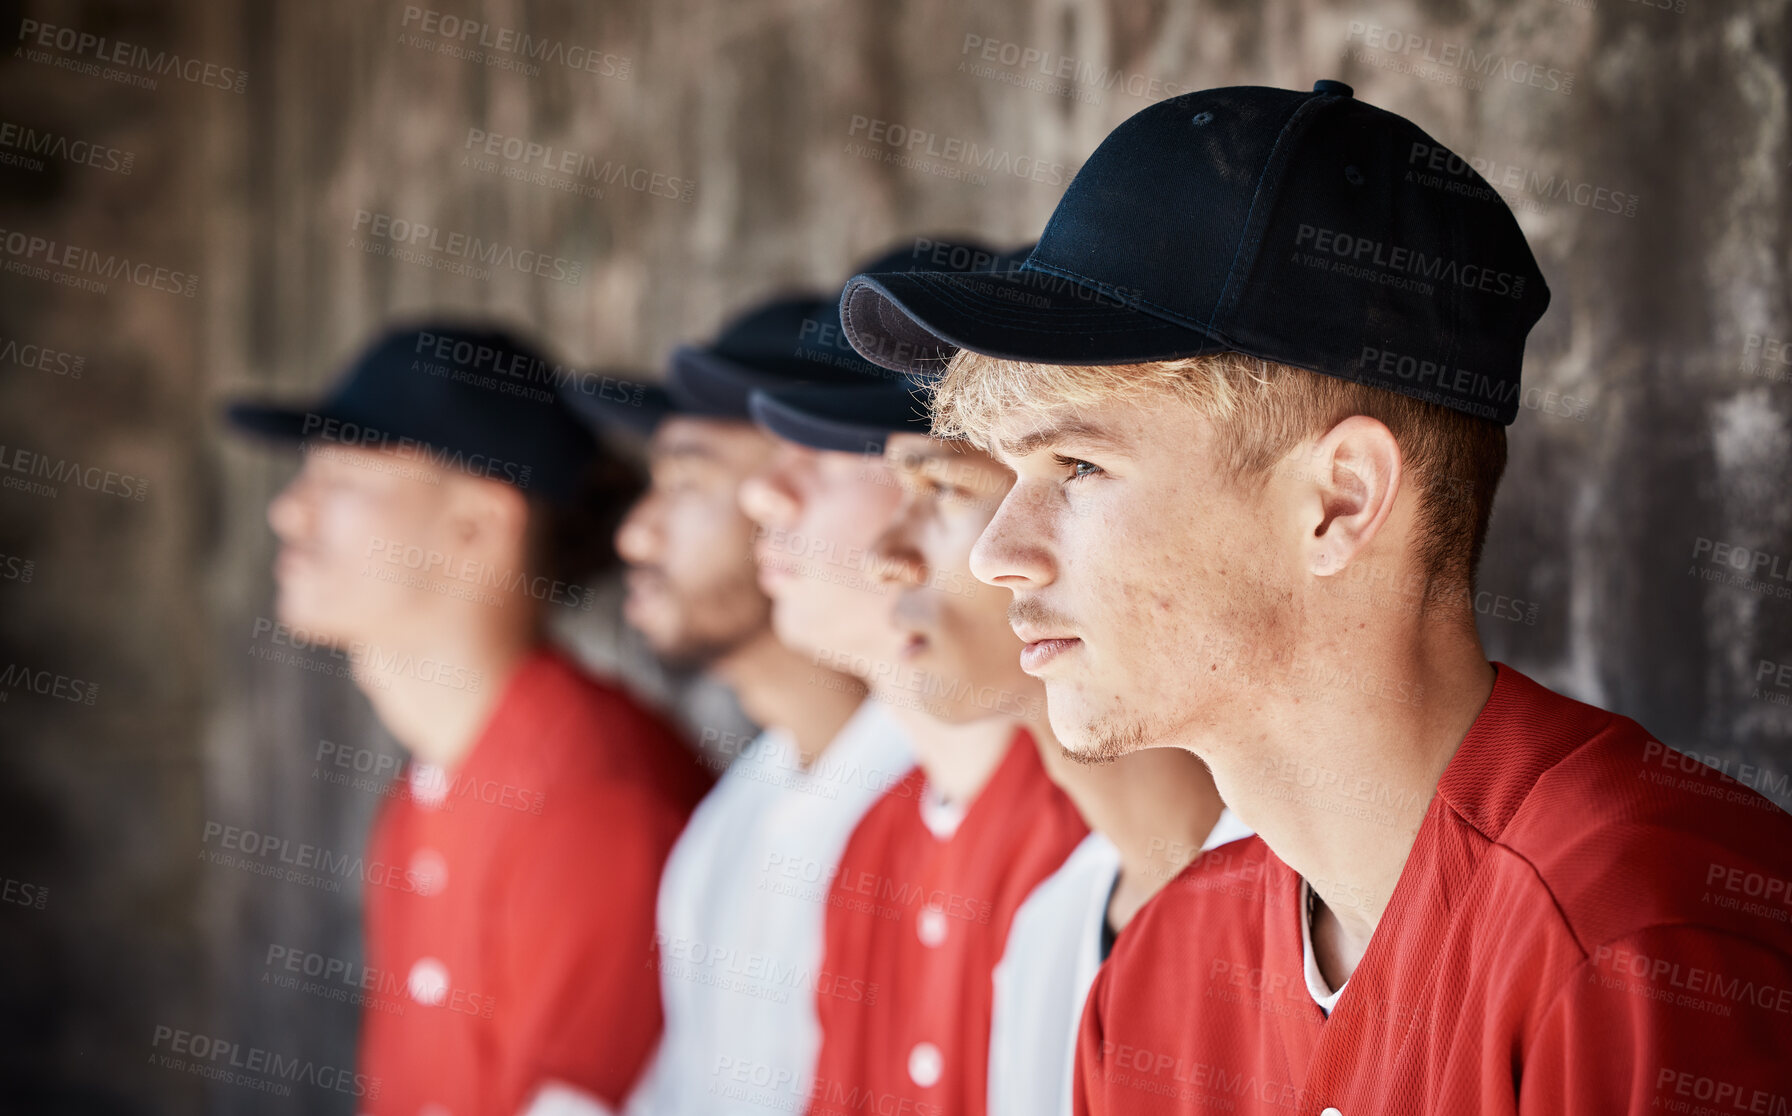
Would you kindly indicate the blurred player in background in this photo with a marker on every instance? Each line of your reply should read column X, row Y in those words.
column 447, row 499
column 739, row 937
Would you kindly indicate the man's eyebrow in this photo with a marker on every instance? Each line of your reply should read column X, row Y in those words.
column 1070, row 430
column 916, row 458
column 692, row 449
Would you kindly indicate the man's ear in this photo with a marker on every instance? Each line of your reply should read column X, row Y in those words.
column 1353, row 478
column 487, row 516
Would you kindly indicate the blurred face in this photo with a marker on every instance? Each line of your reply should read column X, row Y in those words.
column 818, row 514
column 1141, row 571
column 691, row 586
column 346, row 513
column 954, row 628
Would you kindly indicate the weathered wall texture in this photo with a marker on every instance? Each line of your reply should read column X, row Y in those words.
column 1646, row 150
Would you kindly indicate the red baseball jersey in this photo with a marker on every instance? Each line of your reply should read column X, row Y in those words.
column 916, row 923
column 1589, row 922
column 510, row 903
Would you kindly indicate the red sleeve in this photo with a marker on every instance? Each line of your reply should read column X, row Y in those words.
column 580, row 989
column 1086, row 1095
column 1670, row 1019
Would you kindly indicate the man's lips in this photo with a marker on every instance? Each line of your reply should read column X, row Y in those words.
column 1042, row 646
column 289, row 560
column 773, row 573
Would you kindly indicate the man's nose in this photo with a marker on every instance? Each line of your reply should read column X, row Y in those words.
column 767, row 499
column 638, row 537
column 287, row 511
column 896, row 555
column 1014, row 551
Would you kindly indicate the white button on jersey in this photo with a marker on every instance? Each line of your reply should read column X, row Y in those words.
column 930, row 925
column 1331, row 1112
column 429, row 871
column 428, row 983
column 429, row 785
column 925, row 1064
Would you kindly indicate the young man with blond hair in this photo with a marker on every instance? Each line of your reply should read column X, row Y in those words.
column 1150, row 814
column 1253, row 383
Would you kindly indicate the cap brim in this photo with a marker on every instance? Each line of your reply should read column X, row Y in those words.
column 841, row 419
column 621, row 405
column 276, row 423
column 915, row 322
column 710, row 386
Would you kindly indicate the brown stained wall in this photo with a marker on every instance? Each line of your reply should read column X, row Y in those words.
column 1594, row 575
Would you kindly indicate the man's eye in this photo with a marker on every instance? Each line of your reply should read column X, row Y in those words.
column 1078, row 468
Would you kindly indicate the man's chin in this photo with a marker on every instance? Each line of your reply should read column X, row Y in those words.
column 312, row 625
column 1095, row 740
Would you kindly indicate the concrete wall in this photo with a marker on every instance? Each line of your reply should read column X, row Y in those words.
column 1653, row 453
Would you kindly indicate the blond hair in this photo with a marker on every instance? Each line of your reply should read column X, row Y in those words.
column 1261, row 410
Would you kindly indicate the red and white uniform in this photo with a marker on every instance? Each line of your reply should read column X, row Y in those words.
column 1055, row 948
column 1583, row 926
column 511, row 932
column 919, row 916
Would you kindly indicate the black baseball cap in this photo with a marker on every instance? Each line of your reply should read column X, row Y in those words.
column 472, row 397
column 760, row 347
column 784, row 341
column 1310, row 229
column 848, row 418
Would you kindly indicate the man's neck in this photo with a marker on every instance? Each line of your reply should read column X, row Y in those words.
column 438, row 715
column 1156, row 806
column 958, row 760
column 783, row 689
column 1338, row 783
